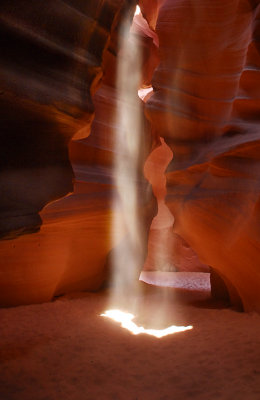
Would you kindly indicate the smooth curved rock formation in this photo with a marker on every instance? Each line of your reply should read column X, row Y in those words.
column 167, row 251
column 93, row 158
column 51, row 67
column 205, row 105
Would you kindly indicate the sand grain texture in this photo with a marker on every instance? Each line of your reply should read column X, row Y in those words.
column 65, row 350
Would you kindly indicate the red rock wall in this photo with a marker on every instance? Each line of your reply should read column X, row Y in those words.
column 51, row 64
column 205, row 105
column 50, row 69
column 93, row 158
column 167, row 251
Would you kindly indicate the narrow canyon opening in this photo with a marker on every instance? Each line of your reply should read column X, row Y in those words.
column 170, row 261
column 171, row 269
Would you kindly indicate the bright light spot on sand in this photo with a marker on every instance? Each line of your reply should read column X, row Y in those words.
column 137, row 10
column 125, row 319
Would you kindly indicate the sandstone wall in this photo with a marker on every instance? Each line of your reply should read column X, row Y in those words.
column 206, row 106
column 51, row 66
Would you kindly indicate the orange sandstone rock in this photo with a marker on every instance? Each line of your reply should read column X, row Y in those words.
column 50, row 69
column 205, row 105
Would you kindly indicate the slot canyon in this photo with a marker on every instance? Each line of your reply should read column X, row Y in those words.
column 130, row 200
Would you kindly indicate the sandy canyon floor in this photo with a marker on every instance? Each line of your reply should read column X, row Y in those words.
column 65, row 350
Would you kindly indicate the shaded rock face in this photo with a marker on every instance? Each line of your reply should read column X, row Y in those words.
column 167, row 251
column 93, row 158
column 50, row 69
column 51, row 64
column 205, row 105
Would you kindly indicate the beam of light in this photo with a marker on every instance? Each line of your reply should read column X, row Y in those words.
column 127, row 230
column 125, row 319
column 137, row 10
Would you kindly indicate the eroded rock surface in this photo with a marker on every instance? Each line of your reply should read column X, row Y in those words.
column 94, row 158
column 51, row 64
column 50, row 69
column 205, row 105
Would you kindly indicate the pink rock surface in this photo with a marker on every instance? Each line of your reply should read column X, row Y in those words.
column 167, row 251
column 205, row 106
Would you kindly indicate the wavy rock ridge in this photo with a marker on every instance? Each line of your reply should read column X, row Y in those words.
column 205, row 105
column 51, row 67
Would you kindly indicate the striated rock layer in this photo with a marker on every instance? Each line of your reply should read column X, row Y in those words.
column 206, row 106
column 51, row 66
column 94, row 157
column 167, row 251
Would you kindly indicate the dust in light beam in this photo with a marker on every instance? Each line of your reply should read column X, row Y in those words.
column 126, row 321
